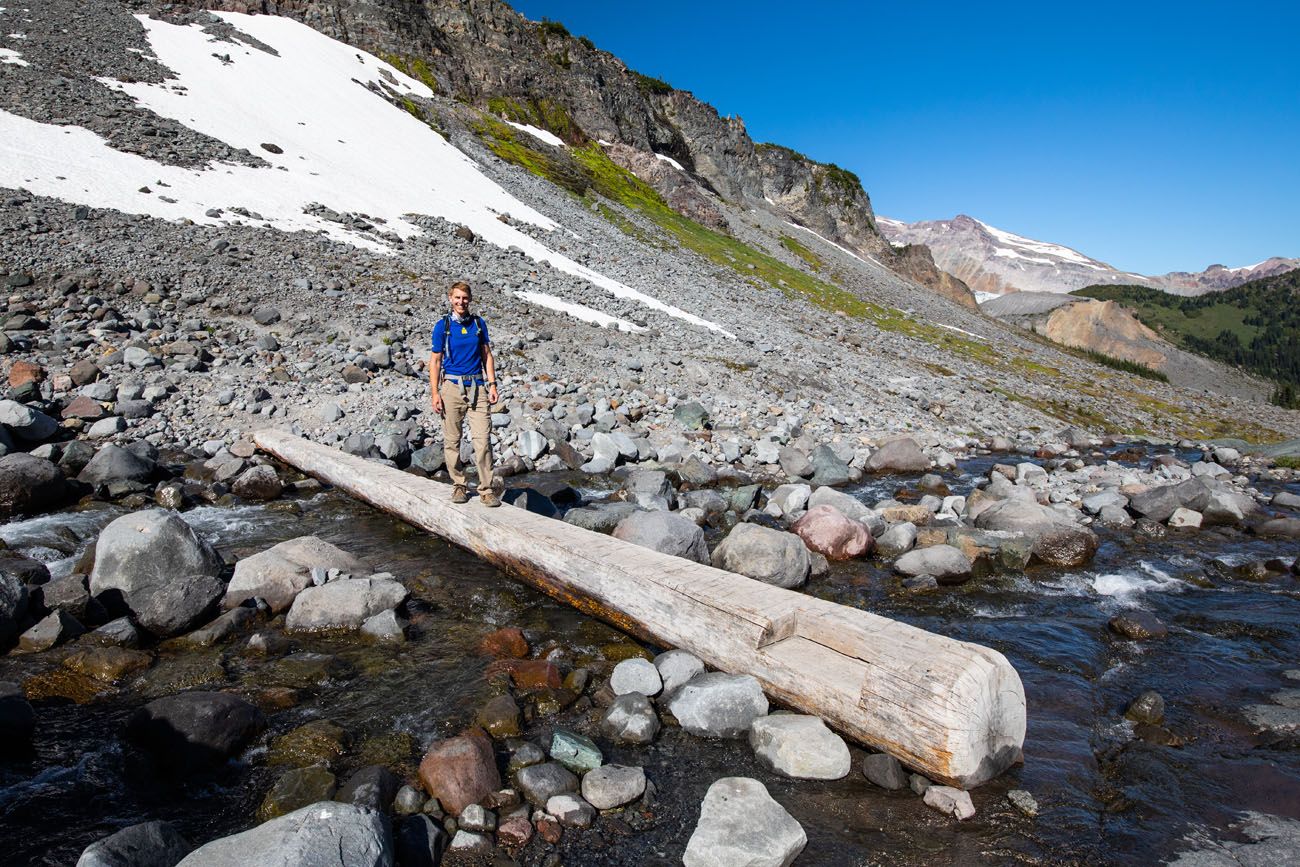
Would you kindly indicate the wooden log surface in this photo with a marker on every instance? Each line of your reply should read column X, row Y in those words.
column 951, row 710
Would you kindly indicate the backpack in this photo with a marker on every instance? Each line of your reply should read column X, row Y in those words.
column 446, row 336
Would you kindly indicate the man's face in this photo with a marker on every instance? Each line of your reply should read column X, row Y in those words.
column 459, row 301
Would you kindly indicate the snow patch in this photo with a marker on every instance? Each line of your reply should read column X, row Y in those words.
column 1003, row 252
column 845, row 250
column 1032, row 246
column 577, row 311
column 342, row 146
column 963, row 331
column 981, row 297
column 13, row 58
column 672, row 162
column 540, row 134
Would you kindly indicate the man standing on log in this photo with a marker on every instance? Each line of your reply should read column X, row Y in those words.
column 462, row 375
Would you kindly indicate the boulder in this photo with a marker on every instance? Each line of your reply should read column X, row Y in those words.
column 691, row 415
column 897, row 540
column 194, row 730
column 949, row 801
column 828, row 467
column 799, row 746
column 29, row 485
column 17, row 718
column 460, row 771
column 571, row 811
column 258, row 483
column 52, row 630
column 13, row 606
column 794, row 463
column 788, row 500
column 500, row 717
column 740, row 824
column 885, row 771
column 539, row 783
column 280, row 573
column 1138, row 625
column 1019, row 516
column 295, row 789
column 1159, row 504
column 327, row 834
column 676, row 667
column 635, row 675
column 576, row 752
column 947, row 564
column 719, row 705
column 1149, row 707
column 613, row 786
column 764, row 554
column 849, row 506
column 1065, row 546
column 115, row 464
column 630, row 719
column 649, row 489
column 343, row 604
column 665, row 532
column 600, row 517
column 901, row 455
column 373, row 787
column 827, row 531
column 149, row 844
column 27, row 423
column 158, row 568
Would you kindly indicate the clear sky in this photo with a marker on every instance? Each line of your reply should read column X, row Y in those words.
column 1154, row 136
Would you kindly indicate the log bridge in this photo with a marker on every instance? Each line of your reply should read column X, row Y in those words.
column 951, row 710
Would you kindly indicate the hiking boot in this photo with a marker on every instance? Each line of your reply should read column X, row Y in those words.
column 489, row 498
column 459, row 494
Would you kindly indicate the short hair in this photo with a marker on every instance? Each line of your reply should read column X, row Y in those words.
column 460, row 284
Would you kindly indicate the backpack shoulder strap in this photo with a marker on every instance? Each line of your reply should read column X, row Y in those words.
column 446, row 335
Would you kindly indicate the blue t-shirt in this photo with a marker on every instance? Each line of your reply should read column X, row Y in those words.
column 464, row 356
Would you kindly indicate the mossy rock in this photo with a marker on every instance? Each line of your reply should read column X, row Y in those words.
column 320, row 742
column 595, row 632
column 393, row 750
column 108, row 664
column 59, row 683
column 620, row 651
column 302, row 671
column 180, row 673
column 500, row 717
column 296, row 789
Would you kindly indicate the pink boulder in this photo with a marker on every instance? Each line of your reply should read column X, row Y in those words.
column 829, row 532
column 460, row 771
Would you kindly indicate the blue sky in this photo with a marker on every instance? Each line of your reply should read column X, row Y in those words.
column 1154, row 136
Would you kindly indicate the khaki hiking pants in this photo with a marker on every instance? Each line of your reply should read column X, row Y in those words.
column 457, row 402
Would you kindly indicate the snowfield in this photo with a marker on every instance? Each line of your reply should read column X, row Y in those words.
column 341, row 145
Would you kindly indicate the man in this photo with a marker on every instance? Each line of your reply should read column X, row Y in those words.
column 462, row 375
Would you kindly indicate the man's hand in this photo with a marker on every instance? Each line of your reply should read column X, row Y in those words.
column 437, row 403
column 492, row 394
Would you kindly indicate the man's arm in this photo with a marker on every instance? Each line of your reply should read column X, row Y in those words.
column 435, row 374
column 490, row 366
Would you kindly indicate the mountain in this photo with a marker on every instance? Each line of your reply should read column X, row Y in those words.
column 994, row 261
column 263, row 211
column 1254, row 326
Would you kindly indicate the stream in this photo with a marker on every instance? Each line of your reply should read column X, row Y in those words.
column 1105, row 795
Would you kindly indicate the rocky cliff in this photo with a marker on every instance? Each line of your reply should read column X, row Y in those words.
column 484, row 53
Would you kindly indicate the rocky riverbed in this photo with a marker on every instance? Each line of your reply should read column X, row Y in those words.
column 353, row 667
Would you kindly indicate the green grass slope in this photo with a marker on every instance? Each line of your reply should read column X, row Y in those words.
column 1255, row 326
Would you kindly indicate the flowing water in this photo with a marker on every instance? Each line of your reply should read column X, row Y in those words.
column 1106, row 796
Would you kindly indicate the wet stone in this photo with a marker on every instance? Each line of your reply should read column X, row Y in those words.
column 1023, row 801
column 576, row 752
column 296, row 789
column 317, row 742
column 885, row 771
column 1149, row 707
column 500, row 717
column 949, row 801
column 1138, row 625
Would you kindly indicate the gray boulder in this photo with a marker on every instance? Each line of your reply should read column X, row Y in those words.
column 343, row 604
column 13, row 606
column 691, row 415
column 719, row 705
column 1019, row 516
column 901, row 455
column 947, row 564
column 327, row 834
column 650, row 489
column 897, row 540
column 740, row 824
column 795, row 463
column 258, row 483
column 373, row 786
column 280, row 573
column 665, row 532
column 885, row 771
column 828, row 467
column 799, row 746
column 154, row 565
column 29, row 485
column 540, row 783
column 149, row 844
column 764, row 554
column 613, row 786
column 630, row 719
column 1159, row 504
column 635, row 675
column 788, row 500
column 850, row 507
column 194, row 730
column 27, row 423
column 115, row 464
column 600, row 517
column 677, row 667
